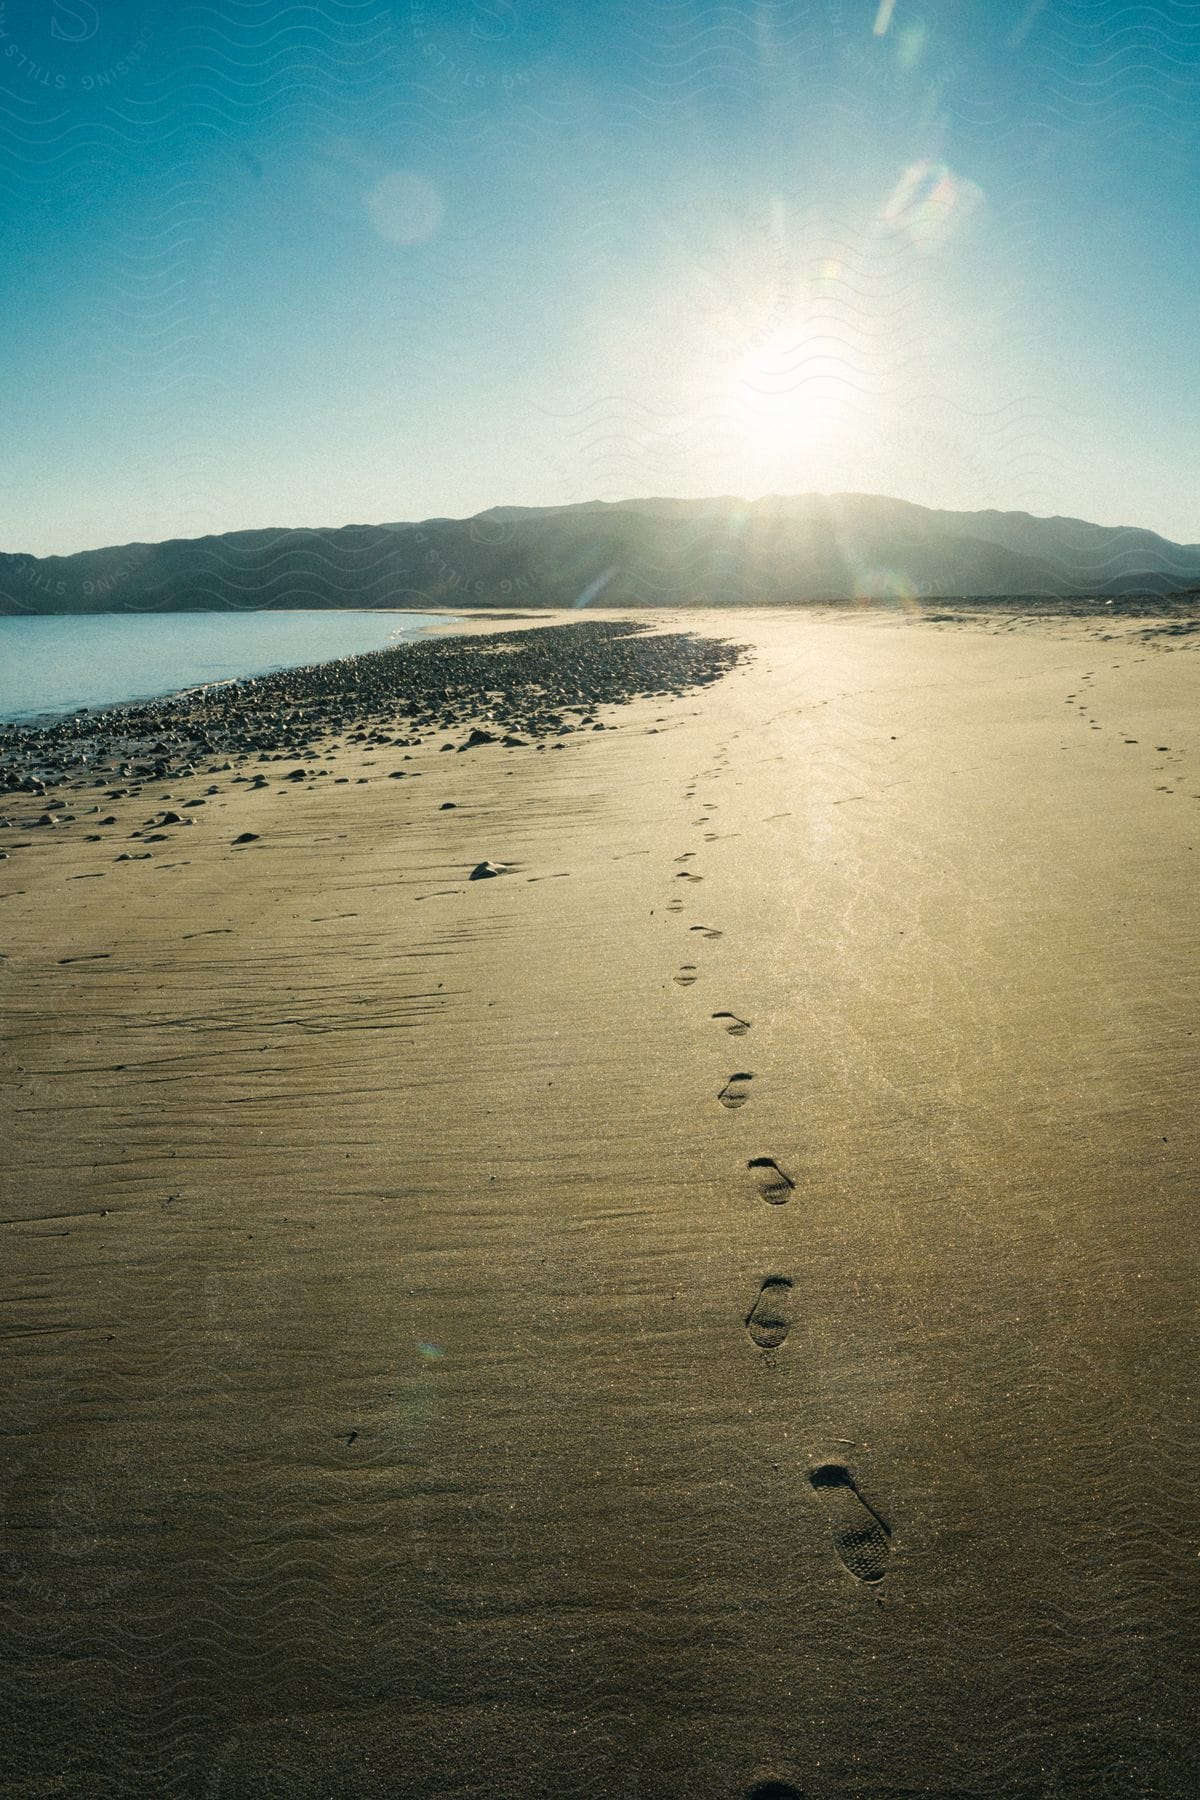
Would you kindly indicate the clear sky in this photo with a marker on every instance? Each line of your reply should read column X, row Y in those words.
column 272, row 264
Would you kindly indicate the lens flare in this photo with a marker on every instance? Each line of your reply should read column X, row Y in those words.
column 930, row 203
column 888, row 586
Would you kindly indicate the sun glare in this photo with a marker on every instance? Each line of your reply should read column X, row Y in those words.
column 793, row 387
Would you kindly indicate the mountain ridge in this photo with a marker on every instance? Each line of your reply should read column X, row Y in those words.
column 652, row 551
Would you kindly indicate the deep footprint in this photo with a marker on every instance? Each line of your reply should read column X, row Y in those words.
column 709, row 931
column 687, row 975
column 769, row 1319
column 860, row 1537
column 736, row 1091
column 738, row 1027
column 775, row 1185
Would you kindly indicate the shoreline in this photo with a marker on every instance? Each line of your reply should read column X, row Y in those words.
column 1180, row 612
column 295, row 709
column 44, row 721
column 709, row 1303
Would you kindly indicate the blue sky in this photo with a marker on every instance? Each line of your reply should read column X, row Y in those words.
column 265, row 264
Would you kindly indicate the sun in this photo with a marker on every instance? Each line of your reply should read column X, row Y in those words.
column 794, row 387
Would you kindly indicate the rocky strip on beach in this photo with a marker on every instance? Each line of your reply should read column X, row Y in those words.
column 534, row 687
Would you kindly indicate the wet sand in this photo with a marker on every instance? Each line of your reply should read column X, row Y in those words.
column 710, row 1311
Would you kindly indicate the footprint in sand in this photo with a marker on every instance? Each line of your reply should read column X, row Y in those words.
column 860, row 1537
column 773, row 1790
column 775, row 1184
column 770, row 1318
column 687, row 975
column 736, row 1027
column 709, row 931
column 735, row 1093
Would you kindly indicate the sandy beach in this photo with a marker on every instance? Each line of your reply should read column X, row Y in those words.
column 709, row 1311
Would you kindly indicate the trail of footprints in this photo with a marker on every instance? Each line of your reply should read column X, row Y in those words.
column 861, row 1538
column 1174, row 758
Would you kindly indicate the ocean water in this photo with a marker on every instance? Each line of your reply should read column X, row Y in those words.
column 54, row 665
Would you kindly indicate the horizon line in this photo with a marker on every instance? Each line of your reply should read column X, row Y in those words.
column 630, row 501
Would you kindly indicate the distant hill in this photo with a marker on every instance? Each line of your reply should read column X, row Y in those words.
column 662, row 552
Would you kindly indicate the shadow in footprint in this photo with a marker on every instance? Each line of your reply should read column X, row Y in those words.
column 775, row 1185
column 773, row 1790
column 770, row 1318
column 710, row 931
column 736, row 1091
column 687, row 975
column 860, row 1537
column 738, row 1027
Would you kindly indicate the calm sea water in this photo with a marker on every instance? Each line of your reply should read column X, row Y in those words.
column 53, row 665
